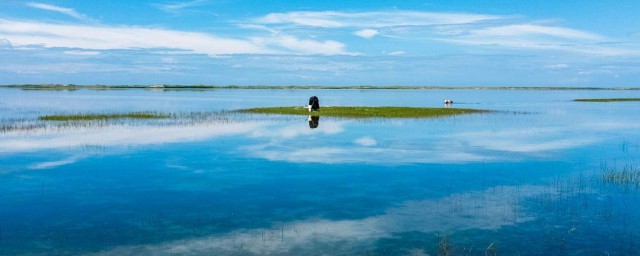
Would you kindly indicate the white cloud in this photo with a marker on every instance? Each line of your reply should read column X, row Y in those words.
column 530, row 29
column 305, row 46
column 122, row 37
column 396, row 53
column 498, row 32
column 178, row 6
column 557, row 66
column 538, row 37
column 366, row 33
column 66, row 11
column 371, row 19
column 102, row 37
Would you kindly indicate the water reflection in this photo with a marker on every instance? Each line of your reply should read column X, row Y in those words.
column 243, row 184
column 313, row 121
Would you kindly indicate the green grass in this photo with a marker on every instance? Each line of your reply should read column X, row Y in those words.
column 367, row 112
column 608, row 100
column 91, row 117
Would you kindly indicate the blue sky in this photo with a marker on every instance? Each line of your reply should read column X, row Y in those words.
column 438, row 43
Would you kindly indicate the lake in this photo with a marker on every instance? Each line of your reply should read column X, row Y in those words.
column 543, row 175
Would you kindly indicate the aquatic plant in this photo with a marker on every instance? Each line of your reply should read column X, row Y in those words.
column 90, row 117
column 367, row 112
column 444, row 248
column 627, row 176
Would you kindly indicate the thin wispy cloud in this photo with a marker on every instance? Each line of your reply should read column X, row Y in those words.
column 468, row 29
column 102, row 37
column 177, row 7
column 538, row 37
column 66, row 11
column 331, row 19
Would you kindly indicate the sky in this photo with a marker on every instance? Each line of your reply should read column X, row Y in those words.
column 415, row 43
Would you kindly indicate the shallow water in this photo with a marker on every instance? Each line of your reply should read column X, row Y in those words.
column 526, row 179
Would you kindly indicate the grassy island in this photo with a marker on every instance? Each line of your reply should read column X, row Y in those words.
column 608, row 100
column 367, row 112
column 91, row 117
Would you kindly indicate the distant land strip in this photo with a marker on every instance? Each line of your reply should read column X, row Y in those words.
column 608, row 100
column 295, row 87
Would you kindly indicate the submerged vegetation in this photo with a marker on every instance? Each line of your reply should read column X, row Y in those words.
column 628, row 177
column 608, row 100
column 367, row 112
column 91, row 117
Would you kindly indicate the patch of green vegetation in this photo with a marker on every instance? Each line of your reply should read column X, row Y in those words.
column 91, row 117
column 608, row 100
column 367, row 112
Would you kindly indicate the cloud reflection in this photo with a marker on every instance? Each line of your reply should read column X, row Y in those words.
column 118, row 135
column 334, row 142
column 488, row 209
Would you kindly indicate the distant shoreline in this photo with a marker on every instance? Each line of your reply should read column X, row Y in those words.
column 301, row 87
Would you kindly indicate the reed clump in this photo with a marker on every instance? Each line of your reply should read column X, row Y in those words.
column 92, row 117
column 627, row 176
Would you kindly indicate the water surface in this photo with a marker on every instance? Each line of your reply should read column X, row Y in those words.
column 526, row 179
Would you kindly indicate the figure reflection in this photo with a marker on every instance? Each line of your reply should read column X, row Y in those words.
column 313, row 121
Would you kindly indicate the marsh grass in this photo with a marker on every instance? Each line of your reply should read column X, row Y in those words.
column 608, row 100
column 627, row 176
column 92, row 117
column 367, row 112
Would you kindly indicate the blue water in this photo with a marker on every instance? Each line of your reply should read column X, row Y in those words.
column 527, row 179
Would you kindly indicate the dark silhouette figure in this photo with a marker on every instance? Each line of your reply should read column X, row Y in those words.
column 314, row 121
column 314, row 103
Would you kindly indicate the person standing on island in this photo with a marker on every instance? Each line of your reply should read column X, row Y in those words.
column 314, row 103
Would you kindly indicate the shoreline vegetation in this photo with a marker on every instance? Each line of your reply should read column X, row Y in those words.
column 366, row 112
column 92, row 117
column 70, row 87
column 608, row 100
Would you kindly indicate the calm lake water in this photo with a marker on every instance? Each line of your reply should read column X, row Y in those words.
column 528, row 179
